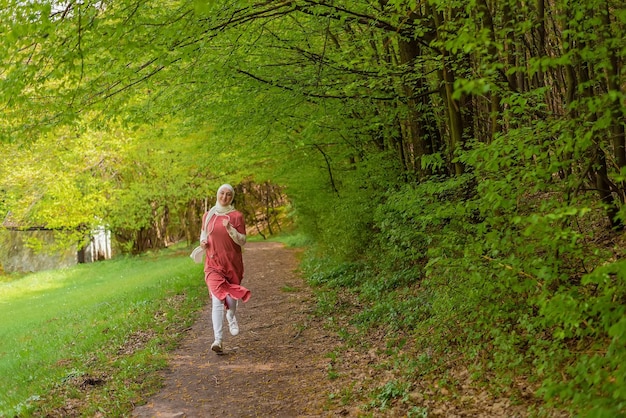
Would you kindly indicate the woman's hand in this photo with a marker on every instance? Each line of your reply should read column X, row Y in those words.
column 204, row 244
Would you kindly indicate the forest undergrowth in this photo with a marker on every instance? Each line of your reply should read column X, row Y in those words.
column 529, row 307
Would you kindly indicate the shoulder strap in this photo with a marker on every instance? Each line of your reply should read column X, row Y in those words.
column 209, row 215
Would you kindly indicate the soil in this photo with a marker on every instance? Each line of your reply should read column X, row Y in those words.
column 287, row 363
column 275, row 367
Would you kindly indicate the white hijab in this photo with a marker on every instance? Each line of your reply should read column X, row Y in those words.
column 218, row 208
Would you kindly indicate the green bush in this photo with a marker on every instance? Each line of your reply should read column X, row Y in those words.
column 506, row 276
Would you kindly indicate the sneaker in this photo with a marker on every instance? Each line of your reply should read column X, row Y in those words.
column 233, row 326
column 217, row 347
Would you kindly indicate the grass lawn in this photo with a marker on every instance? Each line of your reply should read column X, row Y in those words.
column 105, row 327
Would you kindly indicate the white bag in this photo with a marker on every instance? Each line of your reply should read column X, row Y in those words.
column 197, row 255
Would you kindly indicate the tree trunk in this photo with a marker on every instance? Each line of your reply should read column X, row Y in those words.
column 452, row 106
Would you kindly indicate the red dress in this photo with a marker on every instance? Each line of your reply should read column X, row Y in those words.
column 223, row 265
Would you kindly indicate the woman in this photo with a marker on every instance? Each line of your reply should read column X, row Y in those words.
column 223, row 234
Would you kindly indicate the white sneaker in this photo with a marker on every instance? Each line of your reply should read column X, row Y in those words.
column 233, row 326
column 217, row 346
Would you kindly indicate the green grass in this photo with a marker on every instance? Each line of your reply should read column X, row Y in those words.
column 106, row 325
column 291, row 239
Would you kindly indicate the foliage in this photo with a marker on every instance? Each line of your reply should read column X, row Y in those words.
column 61, row 181
column 589, row 321
column 151, row 207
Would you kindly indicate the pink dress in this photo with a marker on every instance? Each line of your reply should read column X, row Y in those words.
column 223, row 265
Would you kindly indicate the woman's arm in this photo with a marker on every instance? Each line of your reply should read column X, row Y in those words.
column 238, row 237
column 236, row 229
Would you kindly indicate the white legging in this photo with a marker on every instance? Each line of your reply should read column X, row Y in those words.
column 217, row 314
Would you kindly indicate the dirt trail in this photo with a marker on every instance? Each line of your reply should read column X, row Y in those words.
column 276, row 366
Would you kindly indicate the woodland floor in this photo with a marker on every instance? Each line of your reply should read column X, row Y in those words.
column 278, row 366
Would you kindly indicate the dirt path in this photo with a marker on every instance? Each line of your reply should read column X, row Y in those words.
column 276, row 366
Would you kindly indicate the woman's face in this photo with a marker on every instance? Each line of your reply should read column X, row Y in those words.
column 224, row 197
